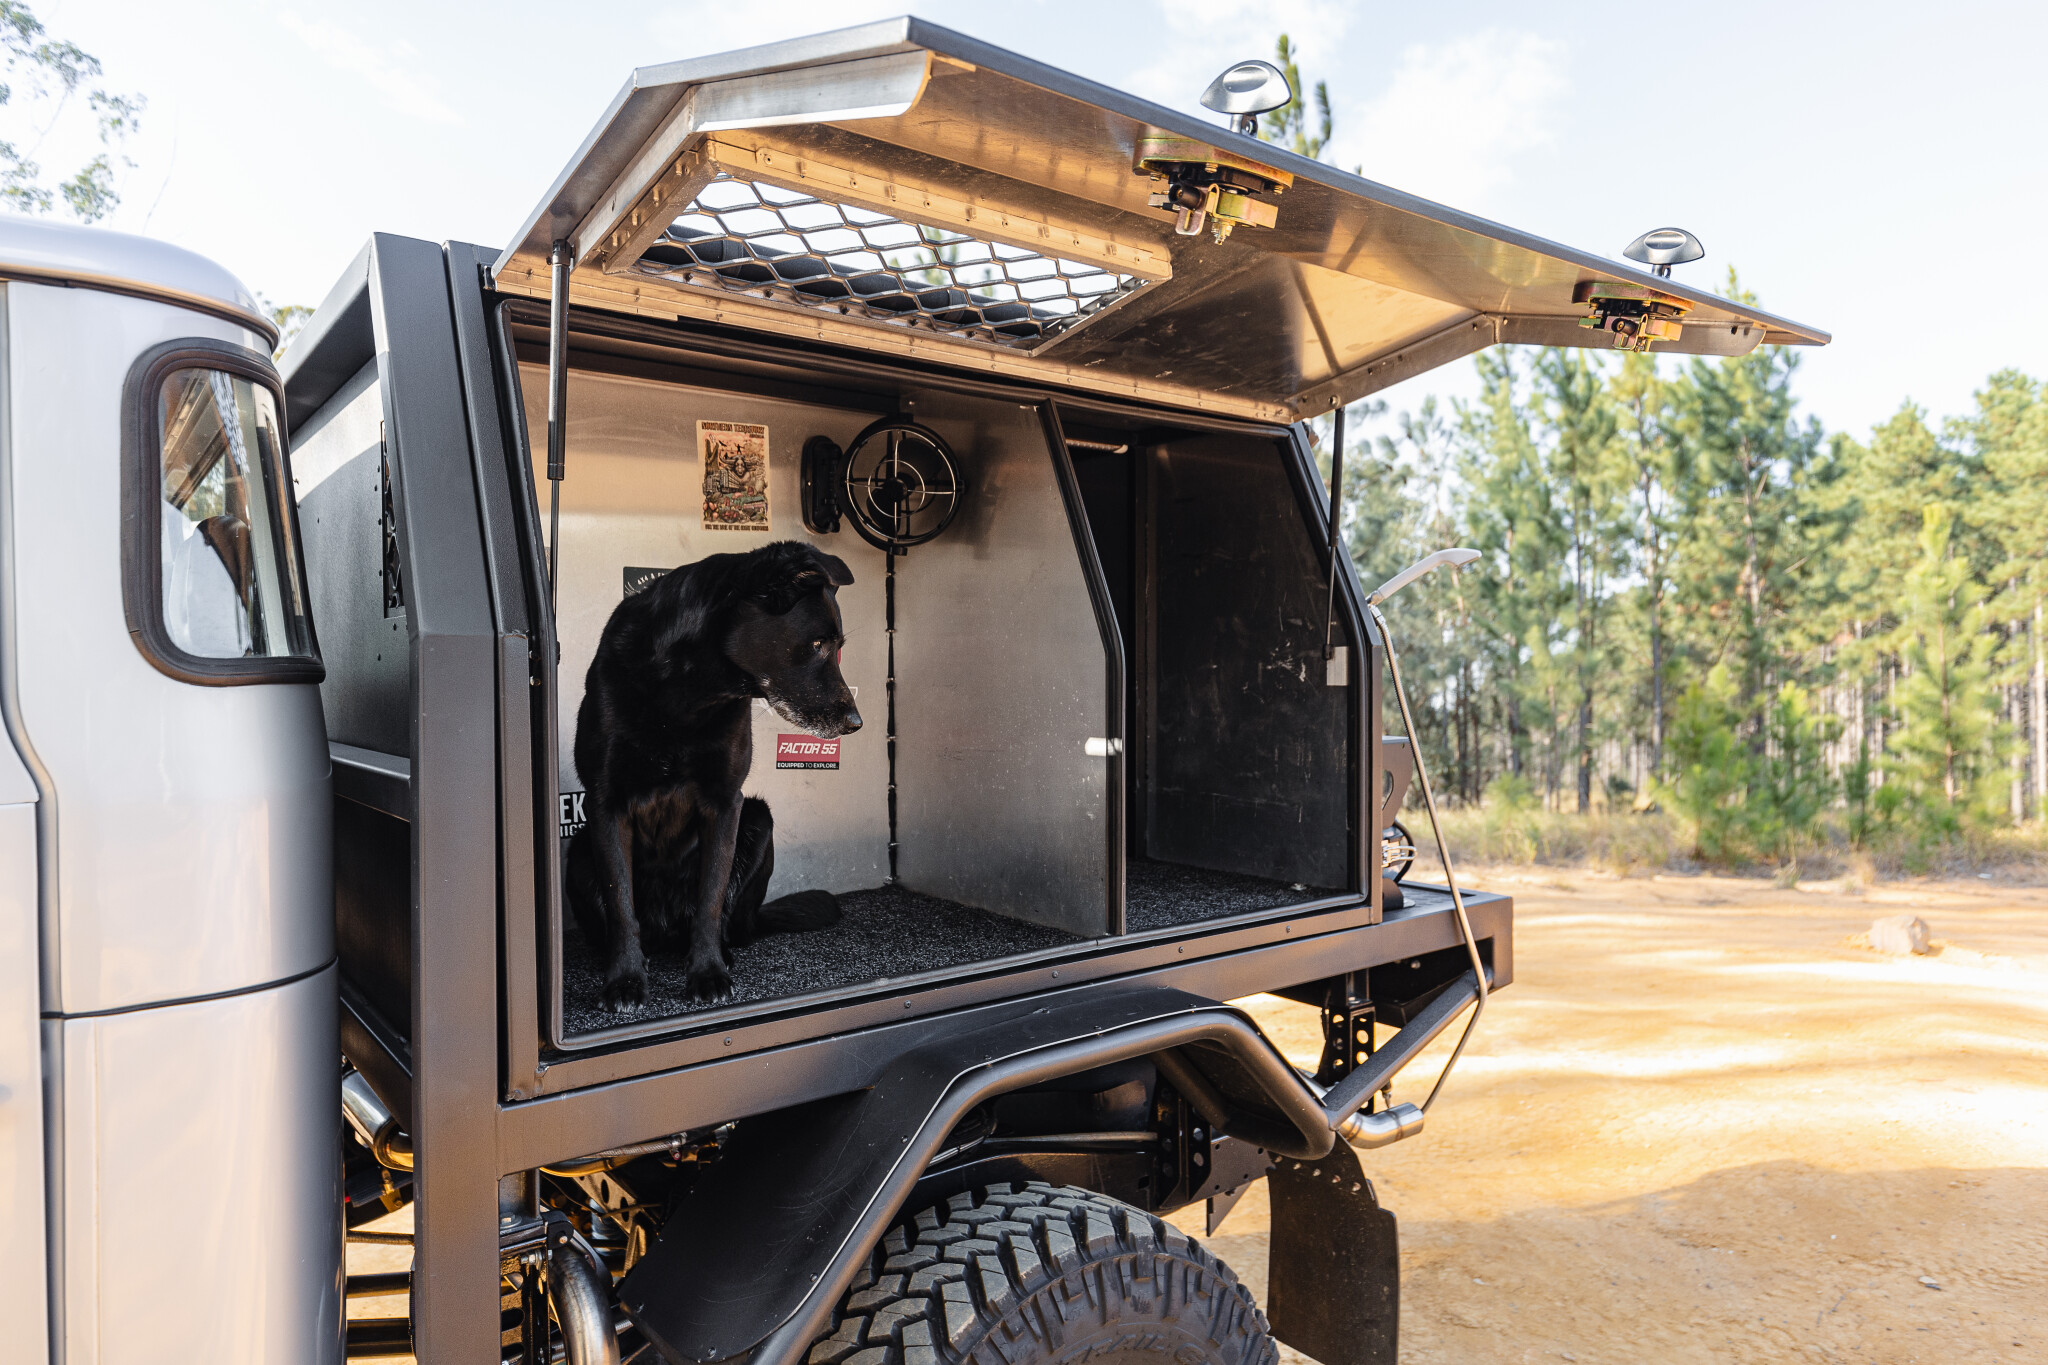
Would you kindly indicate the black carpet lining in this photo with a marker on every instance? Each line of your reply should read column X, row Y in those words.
column 1161, row 895
column 891, row 932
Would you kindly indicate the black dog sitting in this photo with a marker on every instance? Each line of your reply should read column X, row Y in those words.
column 670, row 850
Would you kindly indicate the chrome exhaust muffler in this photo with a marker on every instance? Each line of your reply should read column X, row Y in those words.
column 375, row 1124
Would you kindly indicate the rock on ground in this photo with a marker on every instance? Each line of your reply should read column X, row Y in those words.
column 1900, row 934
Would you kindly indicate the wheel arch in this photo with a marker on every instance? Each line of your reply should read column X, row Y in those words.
column 805, row 1194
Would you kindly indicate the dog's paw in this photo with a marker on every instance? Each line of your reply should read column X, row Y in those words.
column 625, row 986
column 708, row 984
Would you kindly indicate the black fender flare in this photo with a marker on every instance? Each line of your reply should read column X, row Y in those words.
column 752, row 1262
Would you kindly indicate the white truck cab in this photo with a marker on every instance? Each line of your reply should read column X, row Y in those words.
column 167, row 981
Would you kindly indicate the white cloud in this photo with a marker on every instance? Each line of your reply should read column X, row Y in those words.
column 390, row 72
column 1457, row 116
column 1192, row 40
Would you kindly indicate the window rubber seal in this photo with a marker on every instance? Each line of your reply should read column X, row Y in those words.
column 141, row 528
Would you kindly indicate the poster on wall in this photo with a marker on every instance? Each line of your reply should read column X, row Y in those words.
column 735, row 466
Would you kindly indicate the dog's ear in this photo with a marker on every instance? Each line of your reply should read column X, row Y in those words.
column 785, row 573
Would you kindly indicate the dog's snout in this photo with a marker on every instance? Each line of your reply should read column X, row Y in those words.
column 852, row 720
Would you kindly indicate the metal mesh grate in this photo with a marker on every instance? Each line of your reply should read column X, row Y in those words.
column 765, row 241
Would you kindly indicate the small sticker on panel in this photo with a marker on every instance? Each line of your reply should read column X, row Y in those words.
column 806, row 751
column 571, row 811
column 637, row 579
column 734, row 462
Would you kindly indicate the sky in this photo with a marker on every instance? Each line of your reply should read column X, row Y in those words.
column 1869, row 168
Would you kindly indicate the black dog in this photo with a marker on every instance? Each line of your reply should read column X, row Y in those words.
column 663, row 743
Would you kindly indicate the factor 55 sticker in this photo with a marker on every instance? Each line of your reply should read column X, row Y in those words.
column 806, row 751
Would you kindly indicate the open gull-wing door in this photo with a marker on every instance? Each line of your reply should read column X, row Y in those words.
column 902, row 188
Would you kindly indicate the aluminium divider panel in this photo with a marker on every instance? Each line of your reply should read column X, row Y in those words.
column 1242, row 771
column 1000, row 662
column 632, row 504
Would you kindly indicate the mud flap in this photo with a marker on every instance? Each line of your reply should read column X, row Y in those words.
column 1334, row 1288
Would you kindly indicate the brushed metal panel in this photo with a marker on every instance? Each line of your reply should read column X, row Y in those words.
column 632, row 500
column 23, row 1282
column 337, row 477
column 1380, row 269
column 192, row 852
column 243, row 1087
column 1000, row 667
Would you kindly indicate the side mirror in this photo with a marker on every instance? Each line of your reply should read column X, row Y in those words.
column 1246, row 91
column 1663, row 248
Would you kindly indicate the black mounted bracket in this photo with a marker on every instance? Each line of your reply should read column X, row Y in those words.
column 824, row 465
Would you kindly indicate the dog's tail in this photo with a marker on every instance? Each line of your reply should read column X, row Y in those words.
column 797, row 913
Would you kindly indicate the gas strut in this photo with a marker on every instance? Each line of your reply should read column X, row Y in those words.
column 562, row 262
column 1454, row 557
column 1343, row 1101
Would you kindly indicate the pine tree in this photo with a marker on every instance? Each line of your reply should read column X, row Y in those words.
column 1882, row 489
column 1583, row 468
column 1790, row 786
column 1946, row 752
column 1288, row 125
column 2008, row 434
column 1650, row 457
column 1511, row 518
column 1755, row 534
column 1710, row 767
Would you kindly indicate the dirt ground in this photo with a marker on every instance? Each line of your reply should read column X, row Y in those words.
column 1705, row 1125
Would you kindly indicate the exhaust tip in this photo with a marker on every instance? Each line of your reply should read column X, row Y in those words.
column 1382, row 1129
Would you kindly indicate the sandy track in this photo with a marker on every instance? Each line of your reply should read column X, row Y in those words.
column 1703, row 1126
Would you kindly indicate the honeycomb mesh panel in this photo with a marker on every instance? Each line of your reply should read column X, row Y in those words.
column 764, row 241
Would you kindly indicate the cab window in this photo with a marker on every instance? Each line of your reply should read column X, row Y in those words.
column 220, row 567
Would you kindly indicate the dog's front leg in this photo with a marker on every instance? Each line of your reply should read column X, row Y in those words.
column 625, row 974
column 709, row 978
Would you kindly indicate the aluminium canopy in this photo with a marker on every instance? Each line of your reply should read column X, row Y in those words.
column 902, row 188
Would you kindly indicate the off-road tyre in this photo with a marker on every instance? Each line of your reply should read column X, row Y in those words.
column 1037, row 1274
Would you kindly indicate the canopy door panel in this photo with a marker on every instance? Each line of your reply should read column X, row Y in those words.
column 1020, row 202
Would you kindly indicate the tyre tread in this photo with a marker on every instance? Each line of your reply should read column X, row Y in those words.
column 1001, row 1276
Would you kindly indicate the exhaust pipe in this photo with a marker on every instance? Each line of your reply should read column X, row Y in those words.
column 1382, row 1129
column 579, row 1290
column 376, row 1125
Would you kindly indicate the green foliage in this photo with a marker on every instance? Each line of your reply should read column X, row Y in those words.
column 1497, row 832
column 1710, row 766
column 1288, row 125
column 1864, row 814
column 1752, row 527
column 1950, row 745
column 1791, row 785
column 1650, row 528
column 1510, row 792
column 291, row 319
column 50, row 73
